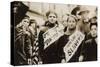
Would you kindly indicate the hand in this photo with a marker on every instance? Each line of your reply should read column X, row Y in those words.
column 26, row 33
column 29, row 61
column 40, row 62
column 81, row 58
column 63, row 61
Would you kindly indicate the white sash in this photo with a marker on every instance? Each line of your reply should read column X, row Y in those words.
column 51, row 35
column 74, row 42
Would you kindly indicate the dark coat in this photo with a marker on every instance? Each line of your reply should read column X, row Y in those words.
column 22, row 48
column 62, row 42
column 89, row 50
column 52, row 53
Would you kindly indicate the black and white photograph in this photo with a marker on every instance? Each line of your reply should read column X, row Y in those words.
column 52, row 33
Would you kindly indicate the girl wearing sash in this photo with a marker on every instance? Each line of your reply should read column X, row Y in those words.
column 62, row 42
column 48, row 55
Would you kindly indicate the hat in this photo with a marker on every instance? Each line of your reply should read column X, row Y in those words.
column 75, row 10
column 82, row 12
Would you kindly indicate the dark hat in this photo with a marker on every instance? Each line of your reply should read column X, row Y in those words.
column 75, row 10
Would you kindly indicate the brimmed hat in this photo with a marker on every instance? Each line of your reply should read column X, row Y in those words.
column 82, row 12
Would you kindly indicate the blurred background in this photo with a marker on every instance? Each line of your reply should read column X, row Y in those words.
column 37, row 10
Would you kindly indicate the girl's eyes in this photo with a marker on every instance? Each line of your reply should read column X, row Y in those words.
column 52, row 16
column 25, row 21
column 72, row 21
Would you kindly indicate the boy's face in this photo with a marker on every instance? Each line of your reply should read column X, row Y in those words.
column 52, row 18
column 93, row 31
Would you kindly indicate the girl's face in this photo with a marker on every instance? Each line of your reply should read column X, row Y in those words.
column 25, row 22
column 33, row 25
column 65, row 21
column 71, row 23
column 32, row 28
column 93, row 31
column 52, row 18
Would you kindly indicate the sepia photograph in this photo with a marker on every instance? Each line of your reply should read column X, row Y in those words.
column 50, row 33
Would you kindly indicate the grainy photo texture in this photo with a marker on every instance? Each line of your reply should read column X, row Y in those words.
column 48, row 33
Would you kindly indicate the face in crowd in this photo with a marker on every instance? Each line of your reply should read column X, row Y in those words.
column 32, row 26
column 94, row 20
column 93, row 31
column 25, row 22
column 72, row 22
column 65, row 20
column 84, row 15
column 52, row 17
column 32, row 23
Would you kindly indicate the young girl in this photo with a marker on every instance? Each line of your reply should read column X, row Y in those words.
column 48, row 55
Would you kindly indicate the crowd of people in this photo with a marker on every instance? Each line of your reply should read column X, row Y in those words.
column 30, row 46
